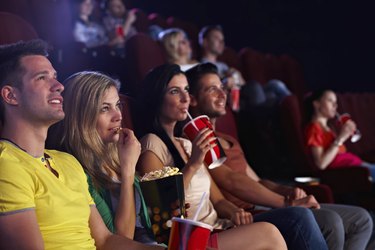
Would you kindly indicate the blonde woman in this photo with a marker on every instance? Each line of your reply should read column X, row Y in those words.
column 92, row 132
column 177, row 47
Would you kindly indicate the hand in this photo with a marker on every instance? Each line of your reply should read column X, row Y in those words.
column 347, row 130
column 241, row 217
column 229, row 82
column 296, row 193
column 309, row 202
column 129, row 150
column 118, row 40
column 131, row 17
column 201, row 145
column 236, row 76
column 176, row 212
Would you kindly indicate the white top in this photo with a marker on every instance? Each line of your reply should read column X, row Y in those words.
column 199, row 184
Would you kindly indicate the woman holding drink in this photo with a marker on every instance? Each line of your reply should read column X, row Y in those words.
column 92, row 132
column 325, row 144
column 163, row 104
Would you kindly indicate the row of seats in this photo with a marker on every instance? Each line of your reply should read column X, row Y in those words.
column 53, row 21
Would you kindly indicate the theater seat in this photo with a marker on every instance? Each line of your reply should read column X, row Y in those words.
column 230, row 57
column 127, row 111
column 142, row 54
column 293, row 75
column 14, row 28
column 227, row 123
column 253, row 65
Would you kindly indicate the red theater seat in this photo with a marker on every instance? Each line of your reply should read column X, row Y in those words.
column 142, row 54
column 14, row 28
column 227, row 124
column 127, row 111
column 253, row 65
column 231, row 58
column 293, row 75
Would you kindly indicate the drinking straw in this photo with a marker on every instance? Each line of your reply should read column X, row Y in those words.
column 189, row 115
column 199, row 207
column 192, row 121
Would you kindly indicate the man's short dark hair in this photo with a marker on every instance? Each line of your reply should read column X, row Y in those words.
column 11, row 70
column 195, row 74
column 206, row 30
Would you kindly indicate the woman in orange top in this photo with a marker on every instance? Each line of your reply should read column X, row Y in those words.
column 325, row 144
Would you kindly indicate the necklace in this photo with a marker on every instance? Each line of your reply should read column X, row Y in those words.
column 44, row 159
column 12, row 142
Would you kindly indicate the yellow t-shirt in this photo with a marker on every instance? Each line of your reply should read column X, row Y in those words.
column 62, row 205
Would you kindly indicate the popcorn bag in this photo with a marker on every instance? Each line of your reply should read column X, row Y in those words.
column 164, row 195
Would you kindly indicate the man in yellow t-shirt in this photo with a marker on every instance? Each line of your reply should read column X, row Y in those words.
column 26, row 184
column 44, row 199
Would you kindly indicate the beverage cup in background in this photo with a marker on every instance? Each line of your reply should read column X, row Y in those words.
column 344, row 118
column 235, row 98
column 215, row 156
column 120, row 30
column 188, row 235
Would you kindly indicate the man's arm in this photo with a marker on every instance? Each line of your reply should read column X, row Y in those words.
column 226, row 209
column 246, row 188
column 295, row 196
column 292, row 192
column 20, row 231
column 105, row 240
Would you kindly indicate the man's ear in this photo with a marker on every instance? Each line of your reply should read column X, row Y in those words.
column 9, row 95
column 193, row 101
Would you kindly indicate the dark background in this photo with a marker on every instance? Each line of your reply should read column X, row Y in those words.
column 333, row 40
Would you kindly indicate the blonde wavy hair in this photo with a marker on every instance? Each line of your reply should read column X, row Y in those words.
column 169, row 40
column 83, row 95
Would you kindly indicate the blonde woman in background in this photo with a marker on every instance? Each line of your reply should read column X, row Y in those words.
column 177, row 47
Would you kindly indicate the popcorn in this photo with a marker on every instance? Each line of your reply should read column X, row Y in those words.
column 164, row 195
column 162, row 173
column 118, row 130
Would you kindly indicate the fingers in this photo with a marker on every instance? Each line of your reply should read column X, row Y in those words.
column 205, row 140
column 309, row 202
column 202, row 135
column 241, row 217
column 299, row 193
column 127, row 135
column 314, row 203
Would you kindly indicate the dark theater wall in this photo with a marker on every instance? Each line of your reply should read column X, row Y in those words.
column 333, row 40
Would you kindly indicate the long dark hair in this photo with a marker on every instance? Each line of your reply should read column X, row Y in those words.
column 308, row 103
column 149, row 104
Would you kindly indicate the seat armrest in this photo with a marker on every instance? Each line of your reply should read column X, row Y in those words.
column 321, row 192
column 347, row 180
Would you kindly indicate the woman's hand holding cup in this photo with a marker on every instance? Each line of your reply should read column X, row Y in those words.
column 200, row 131
column 347, row 130
column 201, row 145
